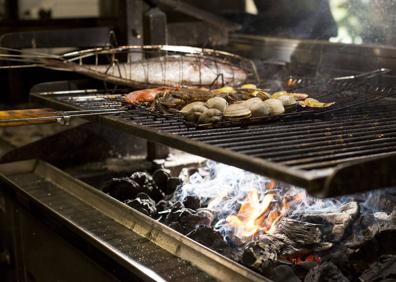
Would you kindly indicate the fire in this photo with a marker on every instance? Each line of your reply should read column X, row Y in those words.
column 300, row 260
column 257, row 215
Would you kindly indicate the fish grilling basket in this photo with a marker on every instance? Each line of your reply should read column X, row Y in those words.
column 146, row 66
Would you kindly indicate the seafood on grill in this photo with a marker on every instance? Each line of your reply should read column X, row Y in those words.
column 218, row 103
column 145, row 95
column 171, row 71
column 260, row 109
column 313, row 103
column 210, row 116
column 194, row 113
column 276, row 106
column 207, row 106
column 178, row 98
column 190, row 106
column 289, row 102
column 296, row 96
column 252, row 101
column 140, row 66
column 237, row 111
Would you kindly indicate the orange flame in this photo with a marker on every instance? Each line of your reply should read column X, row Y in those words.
column 257, row 215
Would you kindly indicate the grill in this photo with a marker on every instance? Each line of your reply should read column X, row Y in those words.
column 327, row 151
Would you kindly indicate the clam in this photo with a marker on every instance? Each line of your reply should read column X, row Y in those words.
column 248, row 86
column 278, row 94
column 237, row 111
column 299, row 96
column 224, row 90
column 195, row 112
column 313, row 103
column 276, row 106
column 260, row 109
column 188, row 107
column 263, row 95
column 217, row 103
column 210, row 116
column 254, row 92
column 296, row 96
column 288, row 101
column 252, row 101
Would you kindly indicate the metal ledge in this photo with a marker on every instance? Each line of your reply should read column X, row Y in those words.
column 123, row 233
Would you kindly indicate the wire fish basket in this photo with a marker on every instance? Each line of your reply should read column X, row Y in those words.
column 151, row 65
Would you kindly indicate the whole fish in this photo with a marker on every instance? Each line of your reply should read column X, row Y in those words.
column 173, row 70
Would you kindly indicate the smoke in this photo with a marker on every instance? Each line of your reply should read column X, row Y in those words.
column 222, row 189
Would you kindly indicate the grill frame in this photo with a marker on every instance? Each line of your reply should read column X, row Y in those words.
column 324, row 182
column 130, row 238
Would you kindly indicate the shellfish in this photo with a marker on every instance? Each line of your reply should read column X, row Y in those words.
column 276, row 106
column 218, row 103
column 210, row 116
column 195, row 112
column 237, row 112
column 313, row 103
column 260, row 109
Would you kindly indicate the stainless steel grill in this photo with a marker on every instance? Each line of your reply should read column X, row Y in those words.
column 324, row 151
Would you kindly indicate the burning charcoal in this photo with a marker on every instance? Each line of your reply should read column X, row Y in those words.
column 173, row 183
column 161, row 177
column 371, row 250
column 191, row 218
column 173, row 215
column 382, row 270
column 163, row 205
column 188, row 218
column 148, row 184
column 292, row 237
column 209, row 237
column 260, row 256
column 192, row 202
column 338, row 220
column 302, row 269
column 327, row 271
column 144, row 204
column 284, row 273
column 122, row 188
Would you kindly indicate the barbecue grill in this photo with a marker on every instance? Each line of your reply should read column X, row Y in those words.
column 344, row 149
column 325, row 151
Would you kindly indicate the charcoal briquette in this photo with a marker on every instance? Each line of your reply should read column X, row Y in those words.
column 144, row 204
column 172, row 184
column 122, row 188
column 161, row 177
column 192, row 202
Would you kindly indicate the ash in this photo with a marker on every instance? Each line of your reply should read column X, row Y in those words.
column 274, row 228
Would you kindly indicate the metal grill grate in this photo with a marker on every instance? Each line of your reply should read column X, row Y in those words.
column 303, row 151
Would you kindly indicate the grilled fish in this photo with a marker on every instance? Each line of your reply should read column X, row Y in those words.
column 168, row 71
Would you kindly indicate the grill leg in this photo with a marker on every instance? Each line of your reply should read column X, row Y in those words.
column 156, row 151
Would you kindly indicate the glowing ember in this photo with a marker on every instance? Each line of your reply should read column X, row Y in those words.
column 300, row 260
column 257, row 215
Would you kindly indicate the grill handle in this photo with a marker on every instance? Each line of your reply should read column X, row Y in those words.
column 45, row 116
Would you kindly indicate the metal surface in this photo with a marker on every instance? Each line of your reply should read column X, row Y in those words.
column 61, row 117
column 121, row 232
column 76, row 38
column 310, row 152
column 200, row 14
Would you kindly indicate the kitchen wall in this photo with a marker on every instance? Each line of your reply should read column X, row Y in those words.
column 30, row 9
